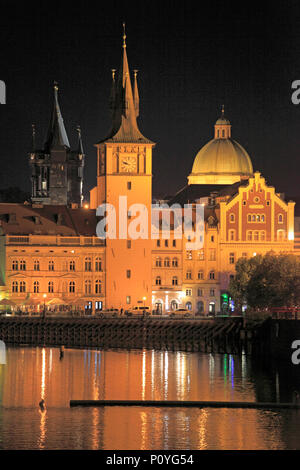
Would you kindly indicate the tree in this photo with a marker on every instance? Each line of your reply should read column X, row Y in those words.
column 267, row 281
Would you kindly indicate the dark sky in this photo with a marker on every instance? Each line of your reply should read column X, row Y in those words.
column 192, row 57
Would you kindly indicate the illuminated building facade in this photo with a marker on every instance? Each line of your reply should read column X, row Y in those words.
column 50, row 252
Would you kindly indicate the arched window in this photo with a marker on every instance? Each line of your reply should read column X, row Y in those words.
column 22, row 286
column 158, row 281
column 88, row 264
column 51, row 265
column 253, row 218
column 280, row 219
column 98, row 264
column 188, row 275
column 72, row 265
column 15, row 286
column 15, row 265
column 158, row 262
column 200, row 306
column 200, row 275
column 87, row 286
column 231, row 235
column 258, row 218
column 249, row 235
column 174, row 281
column 36, row 287
column 22, row 265
column 212, row 307
column 72, row 287
column 262, row 236
column 98, row 286
column 212, row 275
column 167, row 262
column 50, row 287
column 174, row 305
column 36, row 265
column 188, row 305
column 232, row 217
column 256, row 236
column 175, row 263
column 262, row 218
column 249, row 217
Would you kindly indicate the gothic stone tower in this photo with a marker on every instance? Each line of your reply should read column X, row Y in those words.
column 125, row 169
column 56, row 170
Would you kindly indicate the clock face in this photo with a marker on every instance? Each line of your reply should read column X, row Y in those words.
column 128, row 164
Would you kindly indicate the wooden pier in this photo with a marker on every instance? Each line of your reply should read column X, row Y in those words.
column 224, row 335
column 186, row 404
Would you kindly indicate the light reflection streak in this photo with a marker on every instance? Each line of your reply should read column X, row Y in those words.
column 202, row 429
column 144, row 432
column 144, row 375
column 166, row 373
column 43, row 413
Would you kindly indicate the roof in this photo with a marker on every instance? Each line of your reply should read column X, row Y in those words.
column 23, row 219
column 57, row 135
column 192, row 192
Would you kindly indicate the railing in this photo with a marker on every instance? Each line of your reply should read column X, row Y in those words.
column 53, row 240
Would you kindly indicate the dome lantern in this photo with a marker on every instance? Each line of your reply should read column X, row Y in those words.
column 222, row 127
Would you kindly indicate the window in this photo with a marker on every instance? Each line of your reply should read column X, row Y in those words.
column 175, row 262
column 88, row 264
column 262, row 218
column 253, row 218
column 22, row 286
column 244, row 203
column 157, row 242
column 232, row 217
column 188, row 275
column 15, row 286
column 262, row 236
column 87, row 286
column 158, row 262
column 129, row 185
column 166, row 243
column 22, row 265
column 231, row 258
column 15, row 265
column 280, row 235
column 201, row 255
column 50, row 287
column 212, row 255
column 231, row 277
column 200, row 292
column 158, row 281
column 200, row 306
column 212, row 275
column 231, row 235
column 36, row 287
column 200, row 275
column 98, row 264
column 249, row 235
column 128, row 243
column 72, row 265
column 98, row 286
column 189, row 254
column 249, row 217
column 258, row 218
column 36, row 265
column 72, row 287
column 167, row 262
column 280, row 219
column 188, row 292
column 212, row 292
column 128, row 273
column 256, row 235
column 51, row 266
column 212, row 238
column 268, row 203
column 174, row 243
column 174, row 281
column 188, row 305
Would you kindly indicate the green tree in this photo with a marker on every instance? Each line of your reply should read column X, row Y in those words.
column 267, row 281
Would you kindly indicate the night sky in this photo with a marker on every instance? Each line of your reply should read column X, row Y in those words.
column 192, row 58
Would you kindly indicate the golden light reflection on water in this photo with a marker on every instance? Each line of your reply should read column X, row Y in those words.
column 32, row 374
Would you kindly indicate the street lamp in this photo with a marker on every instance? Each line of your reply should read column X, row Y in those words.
column 144, row 299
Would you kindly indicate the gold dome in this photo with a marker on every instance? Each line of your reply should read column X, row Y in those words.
column 222, row 160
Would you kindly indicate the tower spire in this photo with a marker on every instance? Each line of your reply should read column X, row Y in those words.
column 124, row 104
column 80, row 146
column 56, row 136
column 136, row 94
column 33, row 143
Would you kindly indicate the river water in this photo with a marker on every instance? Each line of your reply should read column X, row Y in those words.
column 34, row 373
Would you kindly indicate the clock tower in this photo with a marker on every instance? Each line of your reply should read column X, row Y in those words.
column 124, row 168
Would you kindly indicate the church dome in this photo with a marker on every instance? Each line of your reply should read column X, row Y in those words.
column 222, row 160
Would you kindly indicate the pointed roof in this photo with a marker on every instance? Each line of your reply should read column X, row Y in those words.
column 56, row 136
column 80, row 146
column 124, row 106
